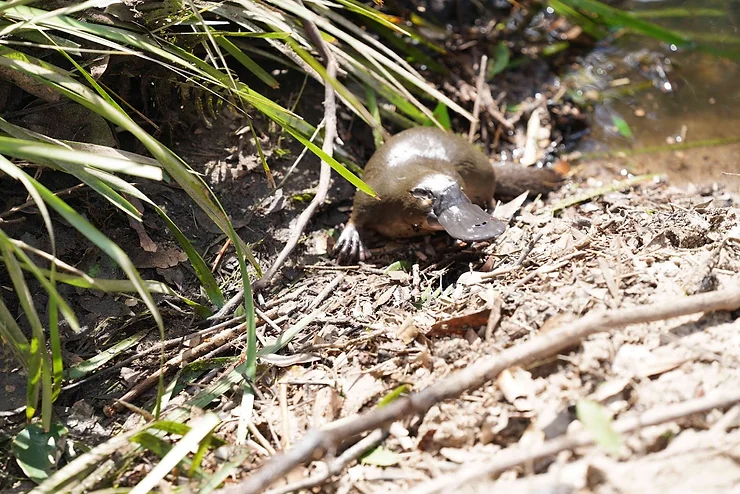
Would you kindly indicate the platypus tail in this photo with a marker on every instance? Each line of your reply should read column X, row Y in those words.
column 513, row 180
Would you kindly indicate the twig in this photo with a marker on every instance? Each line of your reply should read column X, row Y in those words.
column 495, row 315
column 29, row 203
column 511, row 457
column 513, row 267
column 284, row 418
column 330, row 117
column 175, row 362
column 331, row 268
column 228, row 307
column 547, row 268
column 317, row 442
column 260, row 438
column 220, row 255
column 167, row 344
column 338, row 464
column 478, row 97
column 326, row 291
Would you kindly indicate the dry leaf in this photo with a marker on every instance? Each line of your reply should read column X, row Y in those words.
column 408, row 331
column 507, row 211
column 164, row 258
column 516, row 383
column 460, row 324
column 384, row 297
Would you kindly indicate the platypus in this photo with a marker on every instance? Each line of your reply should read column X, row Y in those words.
column 427, row 180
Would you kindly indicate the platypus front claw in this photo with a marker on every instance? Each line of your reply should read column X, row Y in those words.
column 349, row 247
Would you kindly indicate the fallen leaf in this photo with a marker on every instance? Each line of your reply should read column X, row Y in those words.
column 380, row 457
column 595, row 420
column 384, row 297
column 470, row 278
column 460, row 324
column 609, row 389
column 507, row 211
column 517, row 386
column 408, row 331
column 37, row 451
column 164, row 258
column 326, row 406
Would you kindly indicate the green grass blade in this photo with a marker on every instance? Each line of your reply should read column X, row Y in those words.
column 14, row 3
column 39, row 372
column 31, row 150
column 11, row 333
column 204, row 274
column 587, row 24
column 200, row 429
column 55, row 342
column 372, row 106
column 247, row 62
column 217, row 478
column 685, row 12
column 617, row 18
column 82, row 369
column 251, row 350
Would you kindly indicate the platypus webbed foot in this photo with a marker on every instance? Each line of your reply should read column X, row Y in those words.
column 350, row 247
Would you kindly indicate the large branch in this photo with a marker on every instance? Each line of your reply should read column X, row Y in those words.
column 316, row 443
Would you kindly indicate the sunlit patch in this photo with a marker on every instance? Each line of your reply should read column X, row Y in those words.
column 423, row 148
column 437, row 182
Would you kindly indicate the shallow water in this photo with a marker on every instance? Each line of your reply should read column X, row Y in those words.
column 680, row 95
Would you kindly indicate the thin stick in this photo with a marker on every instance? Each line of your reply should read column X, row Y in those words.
column 167, row 344
column 228, row 307
column 317, row 442
column 510, row 457
column 478, row 97
column 260, row 438
column 337, row 465
column 27, row 204
column 330, row 134
column 175, row 362
column 326, row 291
column 284, row 418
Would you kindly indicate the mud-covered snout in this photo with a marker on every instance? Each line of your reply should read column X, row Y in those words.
column 451, row 209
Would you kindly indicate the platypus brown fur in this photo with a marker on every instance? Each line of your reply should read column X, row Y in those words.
column 429, row 180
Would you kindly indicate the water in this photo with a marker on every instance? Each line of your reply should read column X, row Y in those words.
column 680, row 96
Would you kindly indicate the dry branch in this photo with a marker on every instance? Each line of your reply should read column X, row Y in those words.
column 330, row 133
column 337, row 465
column 316, row 443
column 511, row 457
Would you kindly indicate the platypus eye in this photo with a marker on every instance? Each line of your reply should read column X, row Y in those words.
column 422, row 193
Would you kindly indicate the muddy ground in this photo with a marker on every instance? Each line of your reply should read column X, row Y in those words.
column 373, row 330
